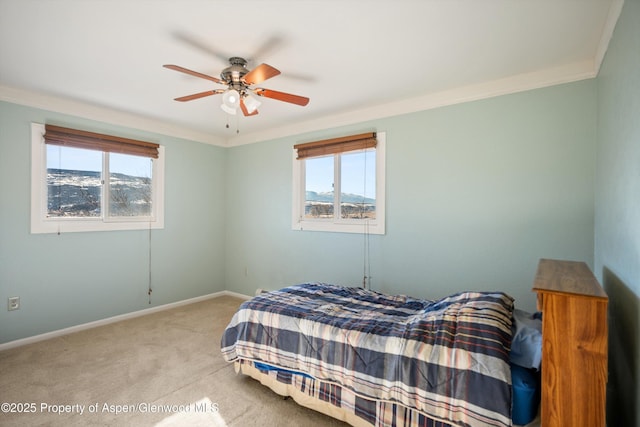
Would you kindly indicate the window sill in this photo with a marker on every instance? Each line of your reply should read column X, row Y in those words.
column 339, row 227
column 87, row 225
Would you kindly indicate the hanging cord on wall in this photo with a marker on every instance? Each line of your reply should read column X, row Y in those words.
column 150, row 290
column 366, row 264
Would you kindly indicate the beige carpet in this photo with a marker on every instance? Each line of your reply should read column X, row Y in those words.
column 163, row 369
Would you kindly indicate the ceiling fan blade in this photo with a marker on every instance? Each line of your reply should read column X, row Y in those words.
column 281, row 96
column 198, row 95
column 300, row 77
column 268, row 46
column 245, row 111
column 204, row 47
column 259, row 74
column 192, row 73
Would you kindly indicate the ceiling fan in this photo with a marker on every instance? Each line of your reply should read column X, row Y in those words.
column 239, row 92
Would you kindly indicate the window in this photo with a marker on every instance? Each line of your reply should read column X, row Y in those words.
column 338, row 184
column 83, row 181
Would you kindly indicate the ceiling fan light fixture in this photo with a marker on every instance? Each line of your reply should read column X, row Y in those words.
column 251, row 103
column 228, row 110
column 230, row 101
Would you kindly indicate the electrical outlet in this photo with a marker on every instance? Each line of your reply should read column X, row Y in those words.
column 13, row 303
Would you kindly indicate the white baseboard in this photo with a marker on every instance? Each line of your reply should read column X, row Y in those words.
column 236, row 294
column 118, row 318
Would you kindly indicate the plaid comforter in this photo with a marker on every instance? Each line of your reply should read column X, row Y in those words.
column 447, row 358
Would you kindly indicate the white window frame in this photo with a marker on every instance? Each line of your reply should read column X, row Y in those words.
column 337, row 224
column 40, row 223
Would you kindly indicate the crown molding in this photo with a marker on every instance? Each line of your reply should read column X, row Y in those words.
column 607, row 32
column 514, row 84
column 92, row 112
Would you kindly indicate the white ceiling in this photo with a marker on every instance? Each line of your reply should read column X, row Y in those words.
column 355, row 59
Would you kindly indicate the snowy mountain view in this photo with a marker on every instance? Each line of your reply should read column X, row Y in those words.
column 320, row 205
column 73, row 193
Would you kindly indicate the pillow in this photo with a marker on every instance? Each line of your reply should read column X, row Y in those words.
column 526, row 344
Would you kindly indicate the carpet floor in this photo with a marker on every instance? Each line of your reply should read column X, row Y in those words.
column 162, row 369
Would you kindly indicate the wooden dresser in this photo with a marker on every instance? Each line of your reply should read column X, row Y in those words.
column 574, row 344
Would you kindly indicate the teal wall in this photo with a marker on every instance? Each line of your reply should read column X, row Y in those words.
column 74, row 278
column 476, row 194
column 617, row 213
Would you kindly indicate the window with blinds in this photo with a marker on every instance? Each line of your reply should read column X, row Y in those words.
column 339, row 184
column 87, row 181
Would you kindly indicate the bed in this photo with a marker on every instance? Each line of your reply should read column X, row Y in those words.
column 369, row 358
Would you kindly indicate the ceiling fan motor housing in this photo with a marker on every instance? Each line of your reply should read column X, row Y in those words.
column 233, row 74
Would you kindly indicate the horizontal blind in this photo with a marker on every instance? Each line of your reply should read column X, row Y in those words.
column 336, row 145
column 57, row 135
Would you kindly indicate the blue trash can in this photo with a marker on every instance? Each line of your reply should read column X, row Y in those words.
column 526, row 394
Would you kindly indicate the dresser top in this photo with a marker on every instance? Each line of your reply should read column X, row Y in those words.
column 567, row 277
